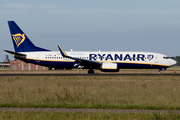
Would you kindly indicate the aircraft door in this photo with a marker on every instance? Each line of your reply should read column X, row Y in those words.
column 37, row 58
column 156, row 59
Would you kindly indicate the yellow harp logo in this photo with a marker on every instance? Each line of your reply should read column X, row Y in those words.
column 18, row 38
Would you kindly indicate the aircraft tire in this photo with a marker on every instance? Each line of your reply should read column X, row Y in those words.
column 90, row 71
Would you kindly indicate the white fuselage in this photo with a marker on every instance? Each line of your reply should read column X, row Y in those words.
column 123, row 59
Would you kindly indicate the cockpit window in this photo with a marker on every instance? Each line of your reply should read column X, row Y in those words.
column 166, row 57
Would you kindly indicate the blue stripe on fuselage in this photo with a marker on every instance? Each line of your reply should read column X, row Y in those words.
column 69, row 64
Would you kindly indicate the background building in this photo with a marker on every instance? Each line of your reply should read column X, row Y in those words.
column 6, row 58
column 20, row 65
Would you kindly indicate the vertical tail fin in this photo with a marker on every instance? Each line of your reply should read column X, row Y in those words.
column 20, row 41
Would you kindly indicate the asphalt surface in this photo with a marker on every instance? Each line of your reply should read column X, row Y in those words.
column 88, row 110
column 30, row 74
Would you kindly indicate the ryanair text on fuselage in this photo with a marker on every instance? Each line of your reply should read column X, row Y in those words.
column 119, row 57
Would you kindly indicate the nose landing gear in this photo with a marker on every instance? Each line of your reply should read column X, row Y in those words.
column 161, row 69
column 159, row 72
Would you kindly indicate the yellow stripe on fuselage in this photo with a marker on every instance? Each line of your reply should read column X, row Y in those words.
column 101, row 61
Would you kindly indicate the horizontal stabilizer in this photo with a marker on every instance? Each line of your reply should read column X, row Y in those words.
column 15, row 53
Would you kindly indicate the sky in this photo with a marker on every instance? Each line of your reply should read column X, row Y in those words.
column 106, row 25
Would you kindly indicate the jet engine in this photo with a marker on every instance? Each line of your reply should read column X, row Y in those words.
column 109, row 67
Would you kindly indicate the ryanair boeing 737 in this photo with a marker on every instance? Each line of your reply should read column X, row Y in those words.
column 108, row 61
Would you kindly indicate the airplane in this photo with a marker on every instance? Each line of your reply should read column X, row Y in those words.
column 106, row 61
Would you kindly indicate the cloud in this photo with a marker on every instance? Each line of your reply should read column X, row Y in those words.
column 134, row 11
column 28, row 6
column 18, row 6
column 68, row 9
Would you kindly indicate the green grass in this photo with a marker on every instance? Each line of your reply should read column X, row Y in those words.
column 86, row 116
column 6, row 69
column 124, row 92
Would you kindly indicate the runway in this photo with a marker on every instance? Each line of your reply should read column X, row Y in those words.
column 33, row 74
column 88, row 110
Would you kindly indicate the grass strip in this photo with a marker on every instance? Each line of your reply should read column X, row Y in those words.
column 86, row 116
column 104, row 92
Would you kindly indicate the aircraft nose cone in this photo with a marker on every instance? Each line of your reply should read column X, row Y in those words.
column 173, row 62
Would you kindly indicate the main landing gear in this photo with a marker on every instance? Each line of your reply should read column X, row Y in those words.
column 91, row 71
column 159, row 72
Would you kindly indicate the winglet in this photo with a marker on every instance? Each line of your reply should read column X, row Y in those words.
column 62, row 51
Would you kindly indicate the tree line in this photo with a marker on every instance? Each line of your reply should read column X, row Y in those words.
column 177, row 58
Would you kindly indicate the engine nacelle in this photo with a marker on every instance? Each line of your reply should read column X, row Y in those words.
column 109, row 67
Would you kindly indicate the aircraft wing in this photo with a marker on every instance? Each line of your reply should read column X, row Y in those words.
column 81, row 63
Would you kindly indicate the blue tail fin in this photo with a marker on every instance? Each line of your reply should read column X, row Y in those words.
column 20, row 41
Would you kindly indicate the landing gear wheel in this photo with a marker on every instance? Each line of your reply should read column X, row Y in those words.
column 90, row 71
